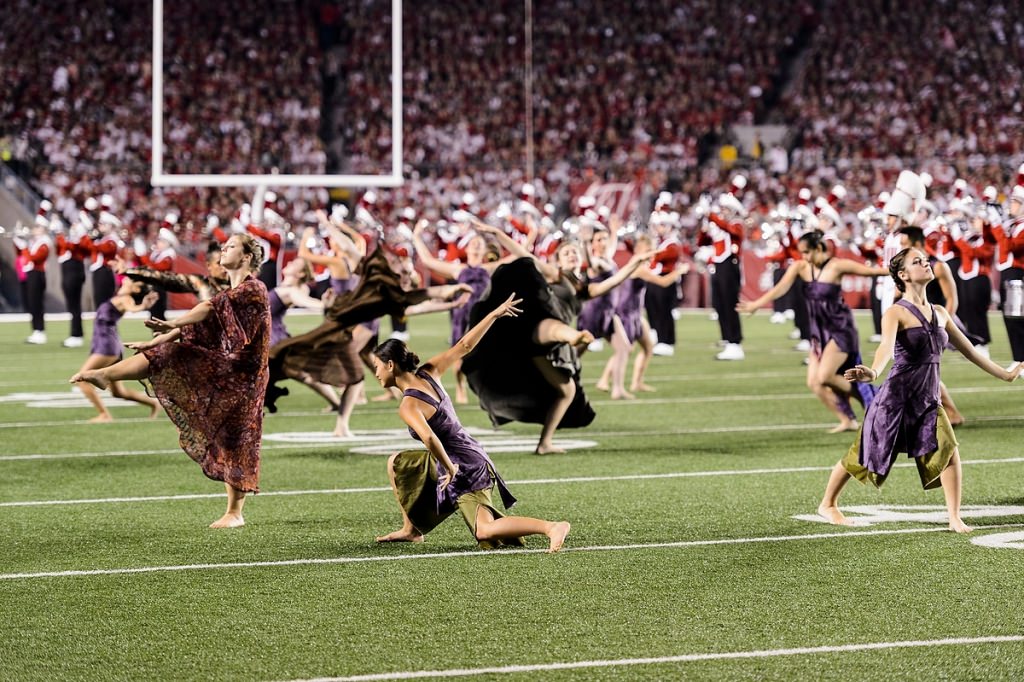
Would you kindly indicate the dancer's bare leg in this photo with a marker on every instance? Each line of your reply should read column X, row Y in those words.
column 408, row 532
column 550, row 331
column 349, row 399
column 829, row 507
column 566, row 391
column 233, row 516
column 643, row 358
column 511, row 527
column 118, row 390
column 955, row 417
column 951, row 487
column 136, row 367
column 620, row 353
column 826, row 396
column 604, row 383
column 91, row 363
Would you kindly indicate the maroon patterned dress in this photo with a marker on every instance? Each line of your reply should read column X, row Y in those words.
column 212, row 382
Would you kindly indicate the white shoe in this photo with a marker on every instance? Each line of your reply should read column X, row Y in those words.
column 676, row 314
column 400, row 336
column 777, row 318
column 597, row 346
column 875, row 338
column 733, row 351
column 664, row 349
column 790, row 314
column 982, row 348
column 37, row 338
column 713, row 317
column 794, row 335
column 803, row 346
column 73, row 342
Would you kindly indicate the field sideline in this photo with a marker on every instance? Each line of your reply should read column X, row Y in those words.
column 694, row 552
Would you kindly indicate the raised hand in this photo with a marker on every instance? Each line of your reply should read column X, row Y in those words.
column 159, row 326
column 509, row 308
column 861, row 373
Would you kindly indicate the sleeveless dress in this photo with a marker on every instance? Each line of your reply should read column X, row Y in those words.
column 830, row 319
column 906, row 415
column 596, row 314
column 278, row 332
column 417, row 471
column 629, row 304
column 501, row 370
column 105, row 338
column 480, row 280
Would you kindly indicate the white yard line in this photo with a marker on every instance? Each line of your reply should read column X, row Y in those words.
column 529, row 481
column 490, row 553
column 683, row 658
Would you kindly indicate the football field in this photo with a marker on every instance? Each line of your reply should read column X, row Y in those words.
column 694, row 551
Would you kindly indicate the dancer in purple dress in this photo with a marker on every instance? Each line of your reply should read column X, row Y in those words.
column 835, row 346
column 452, row 473
column 597, row 313
column 107, row 349
column 906, row 415
column 629, row 327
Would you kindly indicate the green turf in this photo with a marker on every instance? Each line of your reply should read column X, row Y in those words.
column 415, row 611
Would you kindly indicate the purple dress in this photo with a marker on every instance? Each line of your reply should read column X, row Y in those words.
column 629, row 304
column 105, row 338
column 596, row 314
column 904, row 415
column 479, row 279
column 830, row 319
column 476, row 470
column 343, row 285
column 278, row 332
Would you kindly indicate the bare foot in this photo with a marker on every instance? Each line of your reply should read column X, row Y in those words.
column 343, row 433
column 101, row 419
column 460, row 396
column 557, row 536
column 328, row 409
column 958, row 526
column 401, row 535
column 92, row 376
column 229, row 521
column 645, row 388
column 547, row 449
column 602, row 386
column 843, row 426
column 956, row 420
column 624, row 395
column 834, row 516
column 155, row 411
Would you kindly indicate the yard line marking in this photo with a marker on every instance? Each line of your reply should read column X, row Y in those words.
column 529, row 481
column 640, row 402
column 683, row 658
column 472, row 553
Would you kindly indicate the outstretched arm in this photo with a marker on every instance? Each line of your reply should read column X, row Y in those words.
column 468, row 342
column 890, row 325
column 601, row 288
column 967, row 349
column 197, row 314
column 447, row 270
column 667, row 279
column 775, row 292
column 852, row 267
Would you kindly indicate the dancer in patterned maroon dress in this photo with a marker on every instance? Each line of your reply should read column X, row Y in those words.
column 906, row 415
column 212, row 382
column 453, row 473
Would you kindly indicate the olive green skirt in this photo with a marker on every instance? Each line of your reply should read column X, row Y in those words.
column 929, row 466
column 416, row 487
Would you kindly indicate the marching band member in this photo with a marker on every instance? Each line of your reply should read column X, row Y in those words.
column 105, row 245
column 976, row 254
column 72, row 249
column 1010, row 238
column 161, row 258
column 660, row 301
column 271, row 237
column 724, row 231
column 34, row 250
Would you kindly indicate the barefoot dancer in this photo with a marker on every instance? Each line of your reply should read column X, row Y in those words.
column 835, row 346
column 212, row 383
column 906, row 415
column 106, row 346
column 453, row 473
